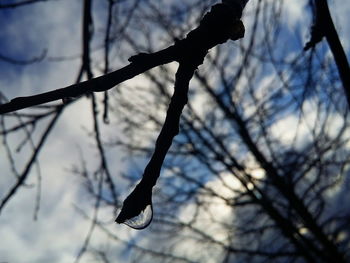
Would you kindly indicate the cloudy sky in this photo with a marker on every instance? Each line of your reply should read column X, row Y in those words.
column 56, row 236
column 53, row 28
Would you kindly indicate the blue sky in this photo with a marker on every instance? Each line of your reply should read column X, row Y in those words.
column 54, row 27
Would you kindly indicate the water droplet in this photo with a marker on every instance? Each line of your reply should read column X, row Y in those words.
column 142, row 220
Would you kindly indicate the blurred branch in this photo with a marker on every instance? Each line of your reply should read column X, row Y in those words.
column 24, row 62
column 19, row 4
column 106, row 58
column 330, row 250
column 324, row 27
column 87, row 32
column 109, row 234
column 21, row 179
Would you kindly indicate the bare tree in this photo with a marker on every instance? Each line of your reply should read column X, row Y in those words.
column 258, row 172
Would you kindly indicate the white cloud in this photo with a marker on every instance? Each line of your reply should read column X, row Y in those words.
column 294, row 11
column 340, row 11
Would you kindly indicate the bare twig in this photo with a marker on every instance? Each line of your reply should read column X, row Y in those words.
column 24, row 62
column 24, row 174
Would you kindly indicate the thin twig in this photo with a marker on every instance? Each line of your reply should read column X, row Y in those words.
column 324, row 27
column 24, row 174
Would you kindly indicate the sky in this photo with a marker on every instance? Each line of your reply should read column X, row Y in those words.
column 59, row 231
column 53, row 28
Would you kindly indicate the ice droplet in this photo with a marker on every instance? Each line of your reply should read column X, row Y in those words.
column 142, row 220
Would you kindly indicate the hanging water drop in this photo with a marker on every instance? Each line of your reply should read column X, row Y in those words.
column 142, row 220
column 137, row 210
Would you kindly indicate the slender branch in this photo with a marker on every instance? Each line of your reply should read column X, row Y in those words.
column 25, row 61
column 26, row 171
column 141, row 197
column 324, row 27
column 87, row 31
column 102, row 154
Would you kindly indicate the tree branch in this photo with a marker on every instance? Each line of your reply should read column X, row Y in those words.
column 213, row 30
column 324, row 27
column 216, row 27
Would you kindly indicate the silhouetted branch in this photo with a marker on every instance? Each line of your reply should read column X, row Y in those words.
column 228, row 26
column 324, row 27
column 215, row 28
column 87, row 33
column 102, row 83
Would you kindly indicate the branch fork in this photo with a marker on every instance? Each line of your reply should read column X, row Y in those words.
column 216, row 27
column 222, row 23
